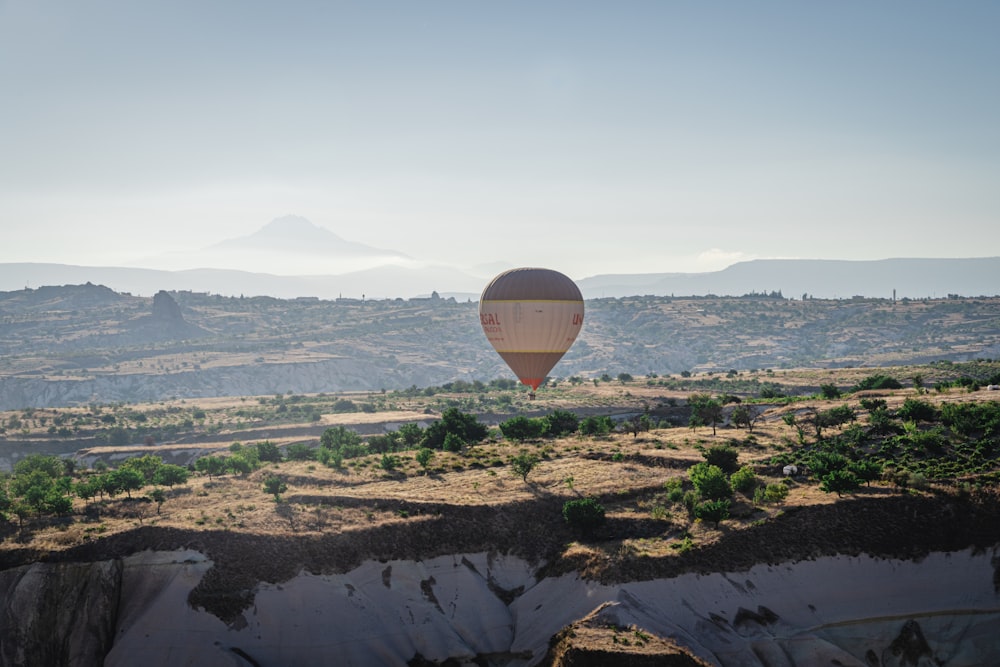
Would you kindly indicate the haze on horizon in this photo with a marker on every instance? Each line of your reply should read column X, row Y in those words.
column 590, row 137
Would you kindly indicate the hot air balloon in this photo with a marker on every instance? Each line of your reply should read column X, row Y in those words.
column 531, row 317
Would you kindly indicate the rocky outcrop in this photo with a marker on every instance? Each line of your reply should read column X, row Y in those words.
column 165, row 309
column 59, row 614
column 491, row 609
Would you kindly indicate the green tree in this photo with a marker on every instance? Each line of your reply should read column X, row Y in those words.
column 275, row 486
column 158, row 496
column 877, row 381
column 213, row 466
column 424, row 456
column 915, row 410
column 744, row 480
column 584, row 515
column 522, row 464
column 410, row 435
column 822, row 463
column 5, row 500
column 87, row 488
column 705, row 411
column 383, row 443
column 239, row 464
column 300, row 451
column 745, row 416
column 343, row 441
column 50, row 465
column 839, row 482
column 866, row 470
column 464, row 427
column 127, row 480
column 389, row 462
column 829, row 391
column 710, row 481
column 169, row 474
column 560, row 423
column 722, row 456
column 715, row 511
column 594, row 425
column 144, row 465
column 521, row 428
column 268, row 451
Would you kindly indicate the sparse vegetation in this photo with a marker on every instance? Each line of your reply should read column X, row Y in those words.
column 662, row 493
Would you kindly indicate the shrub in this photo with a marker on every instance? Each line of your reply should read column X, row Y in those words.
column 275, row 486
column 583, row 514
column 744, row 480
column 464, row 428
column 268, row 451
column 424, row 456
column 523, row 428
column 712, row 510
column 823, row 463
column 522, row 464
column 915, row 410
column 169, row 474
column 839, row 482
column 594, row 425
column 709, row 481
column 343, row 441
column 877, row 381
column 300, row 451
column 560, row 423
column 772, row 493
column 675, row 489
column 722, row 456
column 829, row 391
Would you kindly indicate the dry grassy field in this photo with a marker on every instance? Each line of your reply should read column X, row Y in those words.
column 631, row 474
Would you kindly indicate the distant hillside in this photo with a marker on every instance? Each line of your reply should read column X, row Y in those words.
column 821, row 279
column 78, row 344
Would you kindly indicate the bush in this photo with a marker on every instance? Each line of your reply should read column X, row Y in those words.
column 675, row 489
column 594, row 425
column 523, row 428
column 877, row 381
column 722, row 456
column 917, row 411
column 583, row 514
column 522, row 464
column 823, row 463
column 709, row 481
column 712, row 510
column 268, row 451
column 464, row 428
column 744, row 480
column 560, row 423
column 343, row 442
column 829, row 391
column 275, row 486
column 424, row 456
column 300, row 451
column 772, row 493
column 839, row 482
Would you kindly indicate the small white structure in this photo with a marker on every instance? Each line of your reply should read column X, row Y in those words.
column 790, row 470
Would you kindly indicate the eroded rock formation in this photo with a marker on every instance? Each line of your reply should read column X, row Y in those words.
column 489, row 609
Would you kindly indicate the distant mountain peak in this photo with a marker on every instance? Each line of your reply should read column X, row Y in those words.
column 296, row 234
column 297, row 226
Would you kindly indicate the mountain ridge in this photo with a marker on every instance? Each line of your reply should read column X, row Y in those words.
column 817, row 278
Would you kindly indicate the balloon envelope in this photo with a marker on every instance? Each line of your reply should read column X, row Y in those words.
column 531, row 317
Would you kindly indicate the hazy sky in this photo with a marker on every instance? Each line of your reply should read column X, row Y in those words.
column 592, row 137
